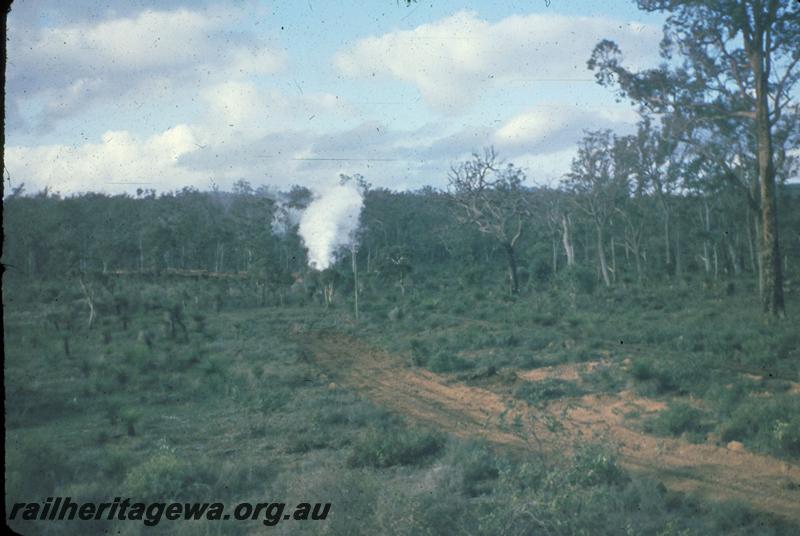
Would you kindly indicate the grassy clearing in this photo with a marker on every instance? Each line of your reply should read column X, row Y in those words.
column 234, row 410
column 680, row 342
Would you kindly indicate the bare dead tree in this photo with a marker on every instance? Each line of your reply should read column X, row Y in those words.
column 489, row 194
column 88, row 296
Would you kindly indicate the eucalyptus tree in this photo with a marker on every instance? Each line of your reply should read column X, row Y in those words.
column 637, row 163
column 724, row 61
column 599, row 184
column 554, row 207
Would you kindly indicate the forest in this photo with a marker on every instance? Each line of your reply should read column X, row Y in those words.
column 618, row 219
column 614, row 351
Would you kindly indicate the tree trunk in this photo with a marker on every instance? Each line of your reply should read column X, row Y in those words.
column 601, row 256
column 355, row 279
column 750, row 247
column 667, row 252
column 733, row 255
column 141, row 255
column 759, row 260
column 771, row 273
column 638, row 267
column 512, row 267
column 89, row 302
column 707, row 227
column 678, row 265
column 555, row 256
column 716, row 263
column 613, row 260
column 567, row 240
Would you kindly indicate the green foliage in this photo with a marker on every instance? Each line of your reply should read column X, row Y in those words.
column 577, row 279
column 35, row 467
column 445, row 361
column 772, row 424
column 165, row 476
column 680, row 418
column 786, row 434
column 548, row 389
column 265, row 420
column 596, row 465
column 479, row 467
column 395, row 444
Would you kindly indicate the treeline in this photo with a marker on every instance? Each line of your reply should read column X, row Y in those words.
column 613, row 234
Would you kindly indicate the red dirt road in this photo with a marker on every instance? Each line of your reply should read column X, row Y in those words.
column 716, row 473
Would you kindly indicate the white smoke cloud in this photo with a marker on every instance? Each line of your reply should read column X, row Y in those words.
column 330, row 222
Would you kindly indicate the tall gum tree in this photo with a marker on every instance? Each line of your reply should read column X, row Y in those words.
column 724, row 60
column 600, row 184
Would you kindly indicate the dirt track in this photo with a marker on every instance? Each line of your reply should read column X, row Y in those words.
column 716, row 473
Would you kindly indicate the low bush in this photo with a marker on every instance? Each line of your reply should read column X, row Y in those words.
column 447, row 362
column 395, row 445
column 680, row 418
column 166, row 476
column 771, row 425
column 549, row 389
column 595, row 465
column 479, row 467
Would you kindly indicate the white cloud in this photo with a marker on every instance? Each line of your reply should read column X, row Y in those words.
column 452, row 60
column 245, row 133
column 73, row 66
column 531, row 127
column 550, row 127
column 251, row 110
column 119, row 158
column 243, row 126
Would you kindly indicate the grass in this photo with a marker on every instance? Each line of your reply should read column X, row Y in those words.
column 236, row 411
column 682, row 342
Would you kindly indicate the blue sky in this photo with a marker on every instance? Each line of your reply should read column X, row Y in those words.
column 116, row 96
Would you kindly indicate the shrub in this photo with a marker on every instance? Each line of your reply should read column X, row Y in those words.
column 642, row 369
column 542, row 271
column 770, row 425
column 396, row 445
column 787, row 435
column 577, row 279
column 548, row 389
column 545, row 319
column 595, row 465
column 448, row 362
column 479, row 468
column 677, row 419
column 165, row 476
column 603, row 379
column 273, row 398
column 34, row 468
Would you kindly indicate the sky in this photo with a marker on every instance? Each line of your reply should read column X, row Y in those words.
column 114, row 96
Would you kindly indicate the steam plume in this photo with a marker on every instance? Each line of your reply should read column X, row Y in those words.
column 330, row 222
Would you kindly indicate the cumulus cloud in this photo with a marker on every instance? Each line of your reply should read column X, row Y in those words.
column 246, row 132
column 452, row 60
column 551, row 128
column 72, row 66
column 250, row 109
column 117, row 163
column 243, row 124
